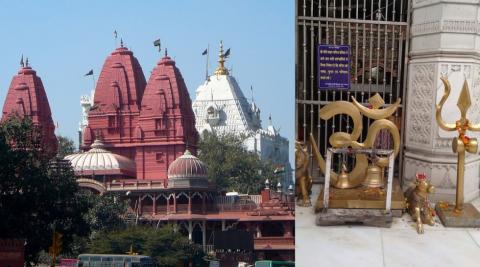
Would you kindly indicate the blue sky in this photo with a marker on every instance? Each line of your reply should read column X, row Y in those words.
column 65, row 39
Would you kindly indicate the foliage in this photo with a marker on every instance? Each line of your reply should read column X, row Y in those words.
column 37, row 194
column 165, row 245
column 66, row 146
column 105, row 212
column 231, row 166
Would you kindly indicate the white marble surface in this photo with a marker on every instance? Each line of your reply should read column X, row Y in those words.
column 399, row 245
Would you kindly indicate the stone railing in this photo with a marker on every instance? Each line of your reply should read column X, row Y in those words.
column 134, row 185
column 236, row 207
column 270, row 241
column 257, row 199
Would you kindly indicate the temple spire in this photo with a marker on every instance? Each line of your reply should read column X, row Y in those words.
column 22, row 64
column 251, row 89
column 221, row 70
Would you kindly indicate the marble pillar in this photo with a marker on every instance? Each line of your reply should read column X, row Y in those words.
column 190, row 230
column 445, row 41
column 204, row 234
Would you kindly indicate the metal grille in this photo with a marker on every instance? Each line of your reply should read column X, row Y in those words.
column 377, row 33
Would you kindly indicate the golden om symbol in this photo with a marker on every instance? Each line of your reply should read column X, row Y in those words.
column 355, row 111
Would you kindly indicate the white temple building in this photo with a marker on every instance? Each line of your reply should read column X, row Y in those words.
column 221, row 107
column 86, row 102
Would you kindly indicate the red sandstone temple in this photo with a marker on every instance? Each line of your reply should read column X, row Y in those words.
column 26, row 97
column 140, row 142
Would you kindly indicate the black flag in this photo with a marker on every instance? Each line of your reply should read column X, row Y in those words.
column 204, row 52
column 89, row 73
column 157, row 43
column 227, row 53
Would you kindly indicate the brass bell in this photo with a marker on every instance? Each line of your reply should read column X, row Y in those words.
column 374, row 177
column 342, row 180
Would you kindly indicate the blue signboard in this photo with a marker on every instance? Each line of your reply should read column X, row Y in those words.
column 333, row 66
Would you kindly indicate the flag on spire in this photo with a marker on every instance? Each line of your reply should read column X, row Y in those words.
column 227, row 53
column 89, row 73
column 157, row 43
column 204, row 52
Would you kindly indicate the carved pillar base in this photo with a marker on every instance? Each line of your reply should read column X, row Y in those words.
column 442, row 171
column 427, row 147
column 442, row 43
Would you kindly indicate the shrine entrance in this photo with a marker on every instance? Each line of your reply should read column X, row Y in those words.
column 376, row 33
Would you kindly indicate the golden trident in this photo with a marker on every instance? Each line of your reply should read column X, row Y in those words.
column 461, row 143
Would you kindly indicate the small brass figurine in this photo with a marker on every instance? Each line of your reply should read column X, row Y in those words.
column 417, row 202
column 303, row 180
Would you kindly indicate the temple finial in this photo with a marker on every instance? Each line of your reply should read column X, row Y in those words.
column 251, row 89
column 26, row 63
column 121, row 42
column 221, row 70
column 22, row 64
column 166, row 52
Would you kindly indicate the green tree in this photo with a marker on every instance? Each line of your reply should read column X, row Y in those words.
column 105, row 212
column 37, row 194
column 66, row 146
column 165, row 245
column 231, row 166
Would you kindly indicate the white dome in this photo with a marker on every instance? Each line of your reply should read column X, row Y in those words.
column 99, row 161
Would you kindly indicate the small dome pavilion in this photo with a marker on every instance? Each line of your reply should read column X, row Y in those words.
column 187, row 171
column 99, row 162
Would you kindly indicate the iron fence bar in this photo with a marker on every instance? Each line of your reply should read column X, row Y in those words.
column 323, row 102
column 326, row 19
column 404, row 95
column 385, row 47
column 312, row 54
column 370, row 54
column 304, row 71
column 378, row 16
column 319, row 128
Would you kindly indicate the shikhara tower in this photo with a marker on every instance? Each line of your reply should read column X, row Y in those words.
column 26, row 97
column 221, row 107
column 150, row 123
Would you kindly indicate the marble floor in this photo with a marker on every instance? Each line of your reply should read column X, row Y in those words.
column 400, row 245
